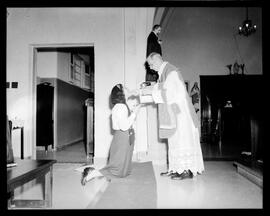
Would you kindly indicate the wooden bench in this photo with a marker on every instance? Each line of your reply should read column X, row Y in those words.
column 26, row 171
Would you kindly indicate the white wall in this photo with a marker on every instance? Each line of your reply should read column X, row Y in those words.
column 53, row 64
column 203, row 40
column 118, row 35
column 47, row 64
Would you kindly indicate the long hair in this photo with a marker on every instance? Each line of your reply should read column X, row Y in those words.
column 117, row 95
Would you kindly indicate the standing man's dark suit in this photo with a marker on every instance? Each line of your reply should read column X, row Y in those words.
column 153, row 45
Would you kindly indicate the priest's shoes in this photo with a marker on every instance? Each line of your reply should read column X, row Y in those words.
column 183, row 175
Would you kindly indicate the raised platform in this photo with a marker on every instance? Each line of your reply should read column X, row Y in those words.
column 253, row 172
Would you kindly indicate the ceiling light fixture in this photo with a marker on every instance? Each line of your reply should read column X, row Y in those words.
column 247, row 28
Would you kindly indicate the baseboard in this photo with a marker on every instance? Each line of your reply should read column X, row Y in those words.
column 42, row 148
column 68, row 144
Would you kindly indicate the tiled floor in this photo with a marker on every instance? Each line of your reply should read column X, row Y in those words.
column 75, row 153
column 220, row 186
column 68, row 193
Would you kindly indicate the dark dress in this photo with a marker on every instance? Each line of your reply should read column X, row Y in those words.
column 120, row 154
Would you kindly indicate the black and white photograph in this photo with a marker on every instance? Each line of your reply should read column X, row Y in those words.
column 152, row 106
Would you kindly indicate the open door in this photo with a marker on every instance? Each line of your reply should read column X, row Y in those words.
column 64, row 79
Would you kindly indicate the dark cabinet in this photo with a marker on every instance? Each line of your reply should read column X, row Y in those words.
column 232, row 113
column 44, row 119
column 89, row 126
column 10, row 156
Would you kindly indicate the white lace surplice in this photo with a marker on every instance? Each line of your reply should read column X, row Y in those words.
column 184, row 146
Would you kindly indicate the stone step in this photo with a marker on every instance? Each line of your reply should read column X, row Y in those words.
column 253, row 174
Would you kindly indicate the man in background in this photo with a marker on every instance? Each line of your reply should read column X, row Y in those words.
column 153, row 45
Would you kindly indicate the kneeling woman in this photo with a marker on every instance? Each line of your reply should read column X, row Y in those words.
column 122, row 145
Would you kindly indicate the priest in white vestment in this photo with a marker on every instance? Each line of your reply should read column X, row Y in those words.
column 178, row 121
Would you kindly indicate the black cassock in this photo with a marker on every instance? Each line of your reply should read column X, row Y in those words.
column 152, row 46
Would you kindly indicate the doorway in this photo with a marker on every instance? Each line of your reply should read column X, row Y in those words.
column 225, row 126
column 68, row 70
column 232, row 116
